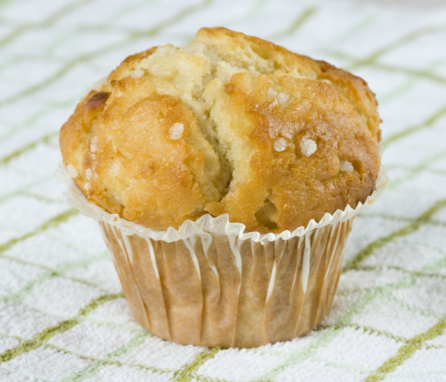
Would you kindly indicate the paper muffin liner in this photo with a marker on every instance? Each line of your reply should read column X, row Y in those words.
column 209, row 283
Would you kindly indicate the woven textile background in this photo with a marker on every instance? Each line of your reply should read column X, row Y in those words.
column 62, row 313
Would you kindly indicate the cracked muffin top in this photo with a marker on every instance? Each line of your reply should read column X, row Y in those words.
column 227, row 124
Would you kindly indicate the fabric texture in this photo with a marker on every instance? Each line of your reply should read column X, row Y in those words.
column 63, row 316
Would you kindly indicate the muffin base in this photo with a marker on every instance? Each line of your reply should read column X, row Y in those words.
column 220, row 290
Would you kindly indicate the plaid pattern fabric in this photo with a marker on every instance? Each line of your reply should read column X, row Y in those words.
column 62, row 313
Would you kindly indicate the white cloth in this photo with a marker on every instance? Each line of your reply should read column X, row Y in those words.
column 62, row 317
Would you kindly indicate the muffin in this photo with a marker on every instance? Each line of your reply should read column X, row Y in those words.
column 225, row 175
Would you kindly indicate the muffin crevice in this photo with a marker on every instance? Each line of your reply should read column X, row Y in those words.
column 219, row 124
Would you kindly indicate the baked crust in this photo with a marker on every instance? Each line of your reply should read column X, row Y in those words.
column 228, row 124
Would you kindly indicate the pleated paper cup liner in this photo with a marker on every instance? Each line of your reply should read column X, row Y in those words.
column 210, row 284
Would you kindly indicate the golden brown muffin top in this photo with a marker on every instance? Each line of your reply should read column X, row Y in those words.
column 227, row 124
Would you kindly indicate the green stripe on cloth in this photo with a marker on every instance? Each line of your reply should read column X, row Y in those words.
column 108, row 361
column 51, row 223
column 418, row 169
column 413, row 74
column 22, row 190
column 3, row 3
column 398, row 43
column 256, row 9
column 94, row 368
column 406, row 351
column 410, row 308
column 414, row 77
column 49, row 21
column 15, row 154
column 398, row 218
column 367, row 329
column 86, row 57
column 297, row 23
column 432, row 170
column 425, row 73
column 32, row 120
column 357, row 28
column 48, row 333
column 61, row 271
column 407, row 230
column 400, row 269
column 421, row 126
column 42, row 198
column 185, row 374
column 108, row 25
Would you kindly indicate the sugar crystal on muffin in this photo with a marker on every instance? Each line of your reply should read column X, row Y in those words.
column 346, row 166
column 88, row 173
column 280, row 144
column 137, row 73
column 272, row 92
column 283, row 98
column 176, row 131
column 72, row 171
column 308, row 146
